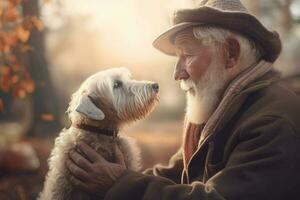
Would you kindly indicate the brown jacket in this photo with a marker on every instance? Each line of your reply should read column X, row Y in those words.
column 253, row 154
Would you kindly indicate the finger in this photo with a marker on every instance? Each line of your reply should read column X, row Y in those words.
column 78, row 183
column 91, row 154
column 80, row 161
column 119, row 156
column 77, row 171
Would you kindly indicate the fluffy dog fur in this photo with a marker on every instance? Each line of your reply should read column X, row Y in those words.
column 108, row 99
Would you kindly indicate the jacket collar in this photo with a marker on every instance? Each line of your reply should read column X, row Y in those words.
column 253, row 78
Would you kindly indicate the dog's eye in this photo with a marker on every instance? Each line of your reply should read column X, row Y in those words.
column 117, row 84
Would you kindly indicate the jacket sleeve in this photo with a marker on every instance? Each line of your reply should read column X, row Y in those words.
column 264, row 165
column 172, row 171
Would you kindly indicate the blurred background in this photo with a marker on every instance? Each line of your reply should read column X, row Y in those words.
column 48, row 47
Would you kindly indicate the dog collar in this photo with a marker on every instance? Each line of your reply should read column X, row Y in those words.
column 102, row 131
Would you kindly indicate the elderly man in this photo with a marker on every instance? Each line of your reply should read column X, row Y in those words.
column 242, row 130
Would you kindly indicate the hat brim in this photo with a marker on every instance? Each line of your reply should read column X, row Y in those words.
column 240, row 22
column 165, row 41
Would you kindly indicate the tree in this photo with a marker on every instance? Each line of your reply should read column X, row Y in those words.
column 24, row 70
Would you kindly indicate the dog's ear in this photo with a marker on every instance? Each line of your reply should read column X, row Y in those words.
column 89, row 109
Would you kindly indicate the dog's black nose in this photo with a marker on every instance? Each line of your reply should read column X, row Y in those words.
column 155, row 87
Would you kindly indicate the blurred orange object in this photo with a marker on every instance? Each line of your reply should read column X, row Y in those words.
column 47, row 117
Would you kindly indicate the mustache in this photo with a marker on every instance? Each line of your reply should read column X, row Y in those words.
column 187, row 85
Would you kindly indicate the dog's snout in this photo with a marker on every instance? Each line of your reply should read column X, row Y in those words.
column 155, row 87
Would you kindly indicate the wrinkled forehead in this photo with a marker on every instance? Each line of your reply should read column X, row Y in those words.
column 186, row 39
column 183, row 36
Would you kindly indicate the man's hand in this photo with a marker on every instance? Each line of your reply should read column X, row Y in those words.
column 91, row 172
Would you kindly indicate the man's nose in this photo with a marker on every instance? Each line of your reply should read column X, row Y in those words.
column 180, row 73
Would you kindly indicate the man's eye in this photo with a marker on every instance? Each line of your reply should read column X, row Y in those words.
column 117, row 84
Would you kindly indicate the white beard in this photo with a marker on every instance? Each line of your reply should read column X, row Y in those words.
column 204, row 95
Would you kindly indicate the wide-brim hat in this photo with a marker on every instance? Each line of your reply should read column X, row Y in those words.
column 228, row 14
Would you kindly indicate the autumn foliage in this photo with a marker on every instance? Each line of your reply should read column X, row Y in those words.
column 15, row 30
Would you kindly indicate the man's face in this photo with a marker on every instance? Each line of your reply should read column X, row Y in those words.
column 194, row 57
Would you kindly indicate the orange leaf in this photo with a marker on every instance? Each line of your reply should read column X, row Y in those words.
column 14, row 79
column 16, row 67
column 1, row 11
column 27, row 23
column 24, row 48
column 11, row 58
column 15, row 2
column 5, row 83
column 29, row 85
column 1, row 106
column 1, row 46
column 8, row 41
column 22, row 34
column 47, row 117
column 20, row 93
column 11, row 15
column 37, row 23
column 9, row 38
column 5, row 70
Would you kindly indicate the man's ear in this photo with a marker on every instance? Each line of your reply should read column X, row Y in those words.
column 233, row 52
column 89, row 109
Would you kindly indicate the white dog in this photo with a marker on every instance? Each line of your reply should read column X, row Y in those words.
column 102, row 104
